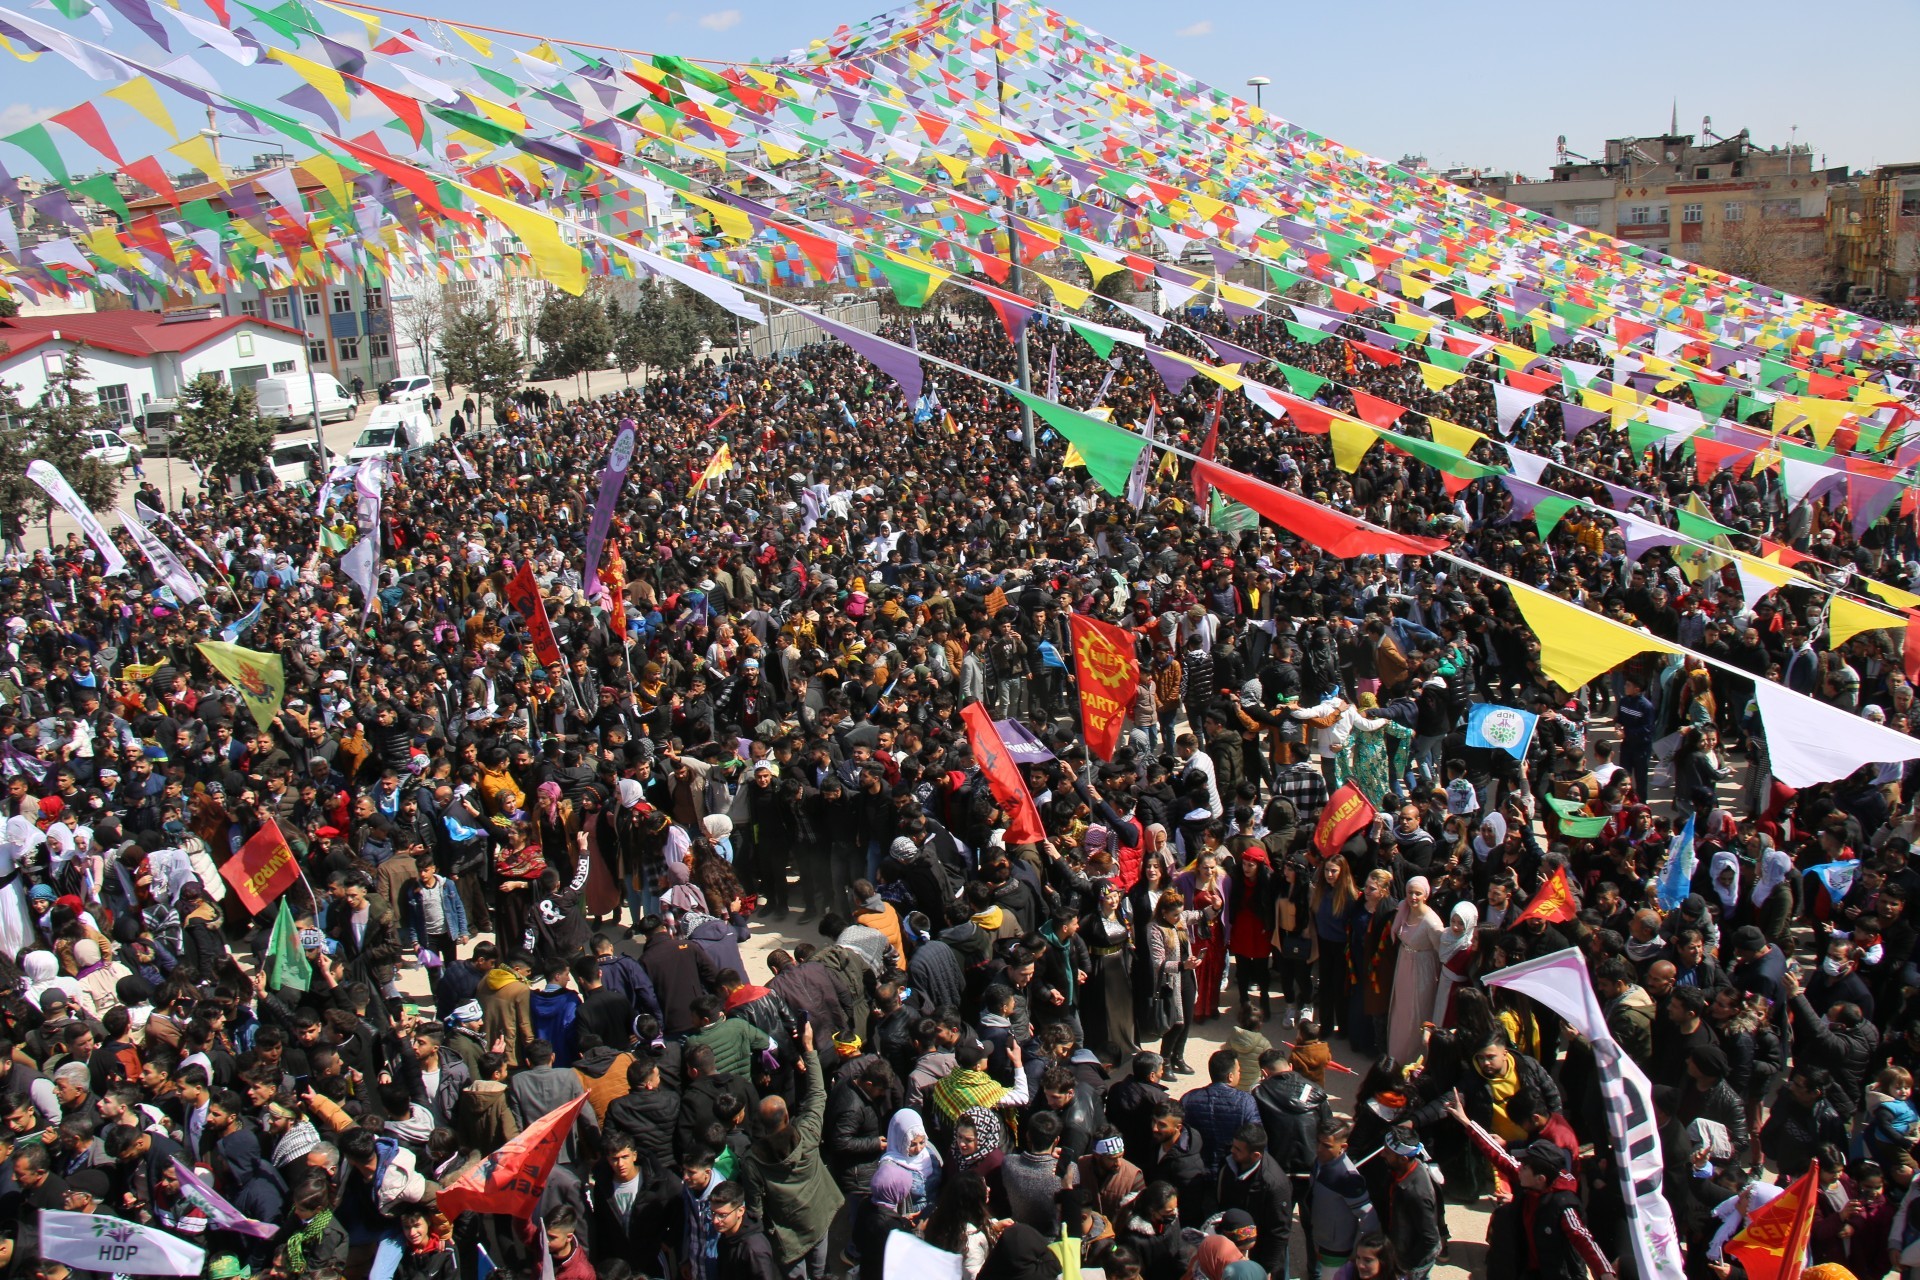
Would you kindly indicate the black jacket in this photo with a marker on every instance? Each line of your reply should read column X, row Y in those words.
column 1292, row 1111
column 1266, row 1193
column 748, row 1255
column 651, row 1223
column 855, row 1137
column 648, row 1116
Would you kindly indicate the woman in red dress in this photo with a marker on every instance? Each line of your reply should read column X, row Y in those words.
column 1204, row 886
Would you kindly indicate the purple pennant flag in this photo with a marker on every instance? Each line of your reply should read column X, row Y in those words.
column 901, row 365
column 612, row 479
column 310, row 100
column 221, row 1215
column 1224, row 260
column 565, row 106
column 1231, row 353
column 1526, row 495
column 1175, row 373
column 343, row 56
column 1021, row 744
column 1576, row 418
column 1869, row 497
column 140, row 14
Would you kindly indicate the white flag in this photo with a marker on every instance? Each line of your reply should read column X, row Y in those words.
column 186, row 588
column 48, row 477
column 361, row 563
column 114, row 1246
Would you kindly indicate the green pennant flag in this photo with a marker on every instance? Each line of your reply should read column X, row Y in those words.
column 1305, row 333
column 1700, row 528
column 1549, row 512
column 1110, row 452
column 1749, row 406
column 202, row 214
column 287, row 965
column 503, row 84
column 1300, row 382
column 1225, row 516
column 1438, row 456
column 911, row 285
column 1572, row 822
column 1711, row 398
column 38, row 143
column 100, row 189
column 1102, row 343
column 1771, row 371
column 1448, row 360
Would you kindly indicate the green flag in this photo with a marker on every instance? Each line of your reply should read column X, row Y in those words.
column 1572, row 822
column 1109, row 451
column 287, row 965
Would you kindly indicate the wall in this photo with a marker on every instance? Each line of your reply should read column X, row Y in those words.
column 789, row 331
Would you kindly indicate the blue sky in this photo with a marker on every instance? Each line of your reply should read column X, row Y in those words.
column 1486, row 83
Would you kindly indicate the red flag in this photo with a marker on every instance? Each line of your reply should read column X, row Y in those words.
column 264, row 868
column 1208, row 447
column 1347, row 814
column 1554, row 903
column 1774, row 1244
column 1003, row 776
column 511, row 1179
column 1332, row 531
column 524, row 596
column 1109, row 677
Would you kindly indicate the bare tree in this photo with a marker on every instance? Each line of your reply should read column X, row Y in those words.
column 1758, row 250
column 420, row 318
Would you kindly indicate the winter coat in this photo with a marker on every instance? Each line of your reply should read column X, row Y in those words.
column 786, row 1180
column 856, row 1136
column 1215, row 1113
column 1292, row 1111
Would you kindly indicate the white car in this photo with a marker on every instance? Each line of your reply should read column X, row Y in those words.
column 409, row 390
column 111, row 447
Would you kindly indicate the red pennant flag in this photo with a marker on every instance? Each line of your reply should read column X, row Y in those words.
column 1374, row 410
column 1910, row 652
column 511, row 1180
column 1773, row 1246
column 264, row 868
column 148, row 173
column 1109, row 676
column 1347, row 814
column 1554, row 903
column 408, row 109
column 1208, row 447
column 1538, row 383
column 1332, row 531
column 524, row 595
column 1003, row 777
column 84, row 120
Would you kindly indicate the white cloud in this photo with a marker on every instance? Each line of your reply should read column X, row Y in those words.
column 18, row 115
column 721, row 20
column 1204, row 27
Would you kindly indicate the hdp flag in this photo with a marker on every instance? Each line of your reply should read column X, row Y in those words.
column 1109, row 679
column 261, row 677
column 1837, row 877
column 1554, row 903
column 264, row 868
column 196, row 1190
column 511, row 1180
column 115, row 1246
column 1773, row 1245
column 1347, row 814
column 287, row 965
column 1676, row 875
column 239, row 627
column 1003, row 776
column 1507, row 729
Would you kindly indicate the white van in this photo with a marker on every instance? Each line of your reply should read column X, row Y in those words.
column 287, row 397
column 393, row 429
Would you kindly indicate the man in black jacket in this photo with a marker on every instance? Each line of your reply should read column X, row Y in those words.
column 647, row 1111
column 636, row 1207
column 1132, row 1102
column 1251, row 1180
column 856, row 1129
column 1843, row 1042
column 1412, row 1217
column 1294, row 1112
column 745, row 1252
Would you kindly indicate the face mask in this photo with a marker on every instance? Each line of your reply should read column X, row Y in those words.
column 1831, row 967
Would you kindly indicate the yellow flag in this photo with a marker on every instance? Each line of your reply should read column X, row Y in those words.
column 1848, row 618
column 199, row 153
column 733, row 224
column 1577, row 644
column 140, row 670
column 1453, row 435
column 323, row 78
column 140, row 94
column 1070, row 296
column 1099, row 268
column 1894, row 595
column 1351, row 440
column 261, row 677
column 480, row 44
column 328, row 171
column 556, row 261
column 1438, row 379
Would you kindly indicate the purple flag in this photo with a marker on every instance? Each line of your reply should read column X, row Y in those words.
column 1022, row 745
column 222, row 1215
column 1174, row 372
column 611, row 481
column 896, row 362
column 1576, row 418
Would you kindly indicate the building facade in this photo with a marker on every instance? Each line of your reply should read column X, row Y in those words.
column 1873, row 236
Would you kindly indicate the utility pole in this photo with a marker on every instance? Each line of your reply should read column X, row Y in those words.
column 1013, row 246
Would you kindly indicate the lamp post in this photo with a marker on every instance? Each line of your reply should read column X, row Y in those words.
column 1257, row 83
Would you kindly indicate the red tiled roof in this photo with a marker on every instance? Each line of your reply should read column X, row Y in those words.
column 133, row 333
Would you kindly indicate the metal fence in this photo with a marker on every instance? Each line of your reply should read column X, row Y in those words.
column 789, row 331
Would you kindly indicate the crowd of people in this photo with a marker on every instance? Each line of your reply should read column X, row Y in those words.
column 979, row 1043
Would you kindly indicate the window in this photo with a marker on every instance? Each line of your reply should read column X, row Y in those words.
column 342, row 301
column 1587, row 213
column 376, row 298
column 1639, row 215
column 115, row 400
column 283, row 366
column 280, row 307
column 378, row 346
column 1701, row 173
column 1733, row 211
column 1910, row 202
column 243, row 345
column 348, row 348
column 317, row 351
column 1692, row 213
column 1780, row 208
column 1659, row 213
column 312, row 303
column 250, row 307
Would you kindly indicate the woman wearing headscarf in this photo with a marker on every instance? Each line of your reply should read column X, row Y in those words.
column 1156, row 877
column 623, row 843
column 909, row 1172
column 1773, row 891
column 1416, row 974
column 98, row 977
column 43, row 975
column 1021, row 1253
column 1109, row 999
column 1457, row 949
column 16, row 915
column 556, row 829
column 1723, row 887
column 1211, row 1260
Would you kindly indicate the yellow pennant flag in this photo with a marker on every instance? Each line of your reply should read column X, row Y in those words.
column 557, row 262
column 1099, row 268
column 199, row 153
column 1070, row 296
column 1577, row 644
column 1894, row 595
column 261, row 677
column 140, row 94
column 480, row 44
column 1453, row 435
column 323, row 78
column 1351, row 440
column 1848, row 618
column 330, row 175
column 1438, row 379
column 732, row 223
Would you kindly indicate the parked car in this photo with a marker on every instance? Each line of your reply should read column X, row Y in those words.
column 394, row 429
column 409, row 390
column 115, row 448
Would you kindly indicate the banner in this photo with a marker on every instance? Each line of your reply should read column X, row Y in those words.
column 55, row 485
column 1347, row 814
column 1003, row 776
column 1021, row 744
column 114, row 1246
column 1559, row 981
column 524, row 595
column 511, row 1180
column 166, row 565
column 612, row 477
column 361, row 564
column 264, row 868
column 220, row 1215
column 1109, row 677
column 262, row 677
column 150, row 517
column 1554, row 903
column 1507, row 729
column 287, row 963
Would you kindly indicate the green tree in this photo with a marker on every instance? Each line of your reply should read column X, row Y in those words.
column 669, row 330
column 56, row 431
column 17, row 492
column 629, row 343
column 219, row 429
column 575, row 333
column 477, row 354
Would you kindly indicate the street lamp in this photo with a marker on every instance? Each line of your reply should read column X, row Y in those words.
column 1257, row 83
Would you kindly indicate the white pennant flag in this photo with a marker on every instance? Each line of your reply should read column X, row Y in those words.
column 186, row 588
column 361, row 563
column 48, row 477
column 1810, row 742
column 114, row 1246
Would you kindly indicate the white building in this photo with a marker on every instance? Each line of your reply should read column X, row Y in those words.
column 135, row 357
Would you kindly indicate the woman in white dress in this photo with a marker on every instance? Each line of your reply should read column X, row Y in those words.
column 16, row 915
column 1416, row 974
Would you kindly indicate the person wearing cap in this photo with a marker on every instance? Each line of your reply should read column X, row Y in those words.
column 1411, row 1211
column 1540, row 1233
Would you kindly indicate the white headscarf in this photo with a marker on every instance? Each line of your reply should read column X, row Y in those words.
column 43, row 975
column 1482, row 849
column 1775, row 867
column 630, row 792
column 1467, row 916
column 1724, row 860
